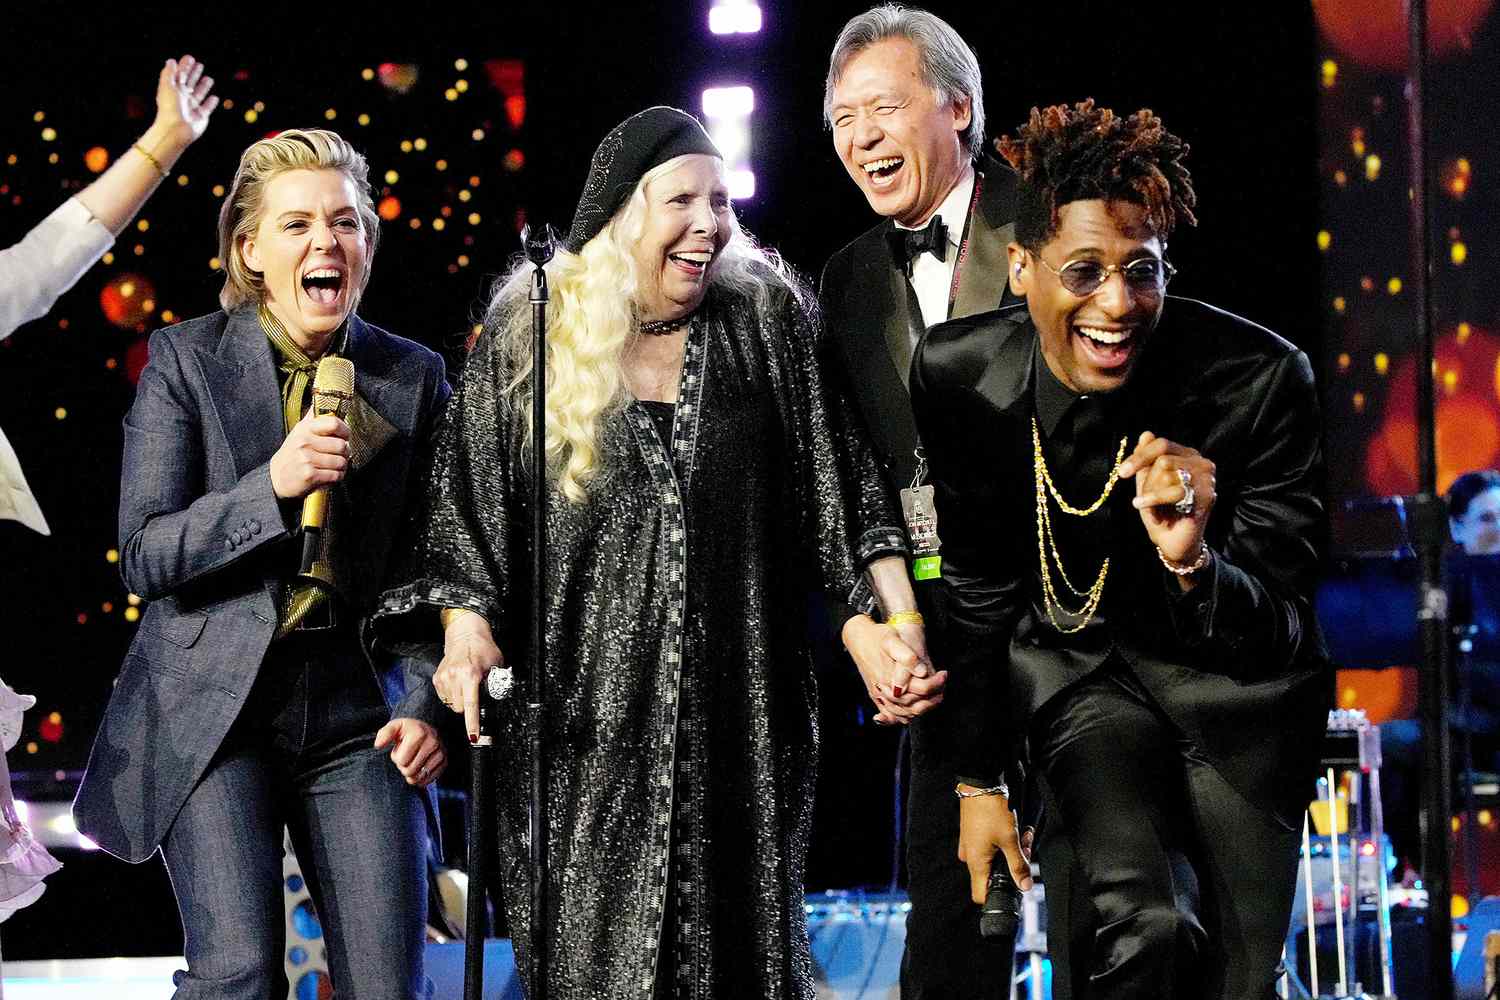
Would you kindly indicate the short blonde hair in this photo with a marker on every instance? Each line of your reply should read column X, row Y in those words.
column 293, row 149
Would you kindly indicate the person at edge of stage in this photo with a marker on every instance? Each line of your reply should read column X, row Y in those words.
column 904, row 100
column 246, row 704
column 695, row 497
column 51, row 258
column 1472, row 568
column 1129, row 485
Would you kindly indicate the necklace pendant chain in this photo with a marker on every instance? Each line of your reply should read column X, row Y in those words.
column 1046, row 542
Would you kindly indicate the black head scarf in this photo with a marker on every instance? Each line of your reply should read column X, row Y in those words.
column 639, row 143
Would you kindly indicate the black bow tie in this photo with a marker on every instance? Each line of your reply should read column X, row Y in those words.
column 907, row 244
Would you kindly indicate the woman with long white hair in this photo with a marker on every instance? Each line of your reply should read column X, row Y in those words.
column 697, row 476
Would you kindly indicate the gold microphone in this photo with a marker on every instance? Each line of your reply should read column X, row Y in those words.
column 333, row 387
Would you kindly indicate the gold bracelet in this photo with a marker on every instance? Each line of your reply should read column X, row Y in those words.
column 154, row 162
column 448, row 615
column 903, row 618
column 1199, row 563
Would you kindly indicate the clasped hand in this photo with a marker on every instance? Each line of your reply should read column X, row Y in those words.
column 1159, row 487
column 893, row 662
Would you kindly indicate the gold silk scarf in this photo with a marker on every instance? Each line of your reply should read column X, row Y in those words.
column 307, row 601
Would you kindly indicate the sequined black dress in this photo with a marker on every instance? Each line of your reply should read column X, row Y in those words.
column 681, row 715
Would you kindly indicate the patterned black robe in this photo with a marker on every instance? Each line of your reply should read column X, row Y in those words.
column 681, row 717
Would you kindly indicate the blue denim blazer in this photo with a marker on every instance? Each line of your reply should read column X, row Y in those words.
column 198, row 518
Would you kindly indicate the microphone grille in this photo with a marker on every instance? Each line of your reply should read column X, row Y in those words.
column 335, row 375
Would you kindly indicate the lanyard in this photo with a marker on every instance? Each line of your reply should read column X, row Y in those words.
column 963, row 245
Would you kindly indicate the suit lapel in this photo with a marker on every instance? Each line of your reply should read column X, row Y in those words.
column 982, row 284
column 877, row 326
column 241, row 380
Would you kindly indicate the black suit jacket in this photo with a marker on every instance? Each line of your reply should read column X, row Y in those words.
column 864, row 301
column 863, row 295
column 1239, row 665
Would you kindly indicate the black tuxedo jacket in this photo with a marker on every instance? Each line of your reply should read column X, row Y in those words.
column 1239, row 664
column 864, row 300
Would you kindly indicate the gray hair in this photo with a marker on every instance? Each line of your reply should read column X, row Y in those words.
column 949, row 66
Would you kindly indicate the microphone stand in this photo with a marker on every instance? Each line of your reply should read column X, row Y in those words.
column 1431, row 534
column 539, row 250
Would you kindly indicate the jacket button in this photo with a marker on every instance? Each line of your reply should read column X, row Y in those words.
column 254, row 527
column 229, row 543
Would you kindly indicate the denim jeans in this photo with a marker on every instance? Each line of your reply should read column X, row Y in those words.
column 300, row 756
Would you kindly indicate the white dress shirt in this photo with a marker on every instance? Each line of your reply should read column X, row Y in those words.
column 33, row 273
column 933, row 278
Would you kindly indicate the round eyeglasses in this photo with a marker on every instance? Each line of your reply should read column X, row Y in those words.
column 1144, row 275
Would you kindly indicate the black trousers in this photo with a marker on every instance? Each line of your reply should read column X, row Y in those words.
column 1162, row 880
column 945, row 958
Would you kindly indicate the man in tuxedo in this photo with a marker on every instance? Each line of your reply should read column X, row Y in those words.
column 1129, row 486
column 904, row 100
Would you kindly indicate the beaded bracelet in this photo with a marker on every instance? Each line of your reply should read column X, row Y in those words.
column 999, row 789
column 1204, row 557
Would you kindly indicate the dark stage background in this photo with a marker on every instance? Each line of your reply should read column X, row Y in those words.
column 540, row 86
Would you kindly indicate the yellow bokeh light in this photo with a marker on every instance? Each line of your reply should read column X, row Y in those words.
column 1393, row 286
column 1455, row 824
column 127, row 289
column 392, row 177
column 112, row 556
column 1450, row 381
column 53, row 158
column 109, row 258
column 39, row 117
column 421, row 144
column 1372, row 167
column 1339, row 304
column 363, row 119
column 168, row 316
column 251, row 115
column 461, row 85
column 1330, row 72
column 1458, row 253
column 148, row 305
column 182, row 180
column 49, row 133
column 1460, row 907
column 1345, row 361
column 1485, row 817
column 438, row 224
column 473, row 218
column 463, row 260
column 1325, row 239
column 1382, row 363
column 460, row 64
column 32, row 747
column 329, row 114
column 1464, row 331
column 132, row 614
column 61, row 413
column 214, row 263
column 1340, row 178
column 367, row 73
column 416, row 223
column 477, row 135
column 260, row 105
column 441, row 164
column 406, row 145
column 450, row 94
column 143, row 224
column 218, row 190
column 55, row 718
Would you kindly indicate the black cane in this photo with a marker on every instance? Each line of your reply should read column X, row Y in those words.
column 481, row 816
column 539, row 249
column 1431, row 536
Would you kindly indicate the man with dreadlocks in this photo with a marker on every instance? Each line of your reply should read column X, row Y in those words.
column 1128, row 483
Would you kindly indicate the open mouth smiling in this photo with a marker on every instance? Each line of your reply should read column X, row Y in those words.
column 323, row 285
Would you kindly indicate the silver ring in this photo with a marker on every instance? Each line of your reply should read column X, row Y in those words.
column 1189, row 495
column 499, row 682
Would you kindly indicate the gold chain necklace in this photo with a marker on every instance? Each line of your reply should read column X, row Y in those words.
column 1046, row 543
